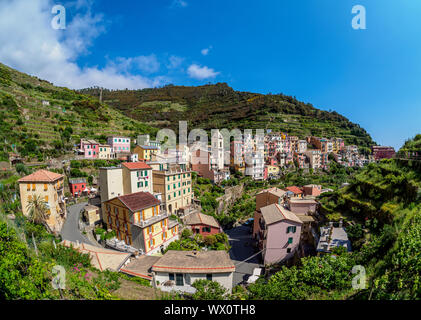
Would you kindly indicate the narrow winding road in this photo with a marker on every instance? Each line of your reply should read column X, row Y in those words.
column 241, row 249
column 70, row 230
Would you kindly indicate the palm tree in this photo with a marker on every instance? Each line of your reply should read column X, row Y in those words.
column 37, row 209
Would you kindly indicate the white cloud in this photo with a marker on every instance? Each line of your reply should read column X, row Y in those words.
column 205, row 51
column 31, row 45
column 179, row 3
column 174, row 62
column 200, row 73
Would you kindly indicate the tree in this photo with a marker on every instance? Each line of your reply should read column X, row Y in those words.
column 209, row 290
column 38, row 211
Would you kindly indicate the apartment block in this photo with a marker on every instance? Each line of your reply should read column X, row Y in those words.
column 137, row 220
column 49, row 187
column 137, row 177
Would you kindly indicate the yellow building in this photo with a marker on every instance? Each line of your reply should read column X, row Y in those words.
column 174, row 182
column 273, row 170
column 49, row 186
column 91, row 214
column 147, row 153
column 105, row 152
column 137, row 219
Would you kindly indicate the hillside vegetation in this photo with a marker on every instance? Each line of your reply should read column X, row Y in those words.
column 219, row 106
column 382, row 213
column 50, row 128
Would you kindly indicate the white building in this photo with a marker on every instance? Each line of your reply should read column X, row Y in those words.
column 137, row 177
column 255, row 165
column 178, row 270
column 217, row 150
column 110, row 183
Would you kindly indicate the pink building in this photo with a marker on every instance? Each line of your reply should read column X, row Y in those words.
column 278, row 233
column 90, row 148
column 119, row 144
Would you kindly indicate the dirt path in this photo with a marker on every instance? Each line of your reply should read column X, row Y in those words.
column 133, row 291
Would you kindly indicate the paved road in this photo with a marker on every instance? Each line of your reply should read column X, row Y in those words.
column 70, row 230
column 238, row 237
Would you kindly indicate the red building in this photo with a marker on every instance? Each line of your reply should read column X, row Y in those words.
column 380, row 152
column 78, row 186
column 203, row 224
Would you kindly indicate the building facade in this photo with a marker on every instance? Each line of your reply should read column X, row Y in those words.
column 137, row 220
column 49, row 186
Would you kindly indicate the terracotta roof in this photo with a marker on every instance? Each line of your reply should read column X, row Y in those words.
column 215, row 261
column 200, row 218
column 294, row 189
column 136, row 165
column 139, row 201
column 41, row 176
column 277, row 192
column 276, row 213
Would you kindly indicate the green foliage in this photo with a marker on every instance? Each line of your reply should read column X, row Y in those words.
column 65, row 256
column 316, row 276
column 208, row 290
column 21, row 275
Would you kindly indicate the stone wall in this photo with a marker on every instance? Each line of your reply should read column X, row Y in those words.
column 231, row 195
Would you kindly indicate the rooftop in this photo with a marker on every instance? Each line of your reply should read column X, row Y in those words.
column 275, row 191
column 215, row 261
column 77, row 180
column 140, row 267
column 275, row 213
column 136, row 166
column 200, row 218
column 42, row 176
column 149, row 147
column 294, row 190
column 139, row 200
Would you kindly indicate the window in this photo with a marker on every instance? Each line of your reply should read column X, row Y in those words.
column 290, row 240
column 46, row 199
column 169, row 187
column 116, row 211
column 29, row 198
column 28, row 187
column 206, row 229
column 174, row 186
column 179, row 193
column 179, row 279
column 33, row 187
column 146, row 183
column 171, row 276
column 45, row 187
column 175, row 194
column 289, row 250
column 209, row 277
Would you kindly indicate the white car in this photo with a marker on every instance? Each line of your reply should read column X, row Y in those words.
column 257, row 272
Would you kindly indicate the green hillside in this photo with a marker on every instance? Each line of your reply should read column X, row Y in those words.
column 381, row 210
column 219, row 106
column 38, row 129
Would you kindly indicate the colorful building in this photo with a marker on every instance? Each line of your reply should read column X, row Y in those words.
column 49, row 186
column 119, row 144
column 381, row 152
column 202, row 224
column 78, row 187
column 278, row 233
column 146, row 153
column 137, row 220
column 105, row 152
column 90, row 148
column 137, row 177
column 174, row 182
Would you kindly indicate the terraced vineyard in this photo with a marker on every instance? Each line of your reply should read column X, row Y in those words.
column 36, row 116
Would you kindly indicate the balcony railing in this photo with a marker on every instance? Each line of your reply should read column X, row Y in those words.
column 151, row 220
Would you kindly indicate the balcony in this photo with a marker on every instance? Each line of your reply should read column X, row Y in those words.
column 151, row 220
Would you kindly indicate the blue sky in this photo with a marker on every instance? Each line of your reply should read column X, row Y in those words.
column 303, row 48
